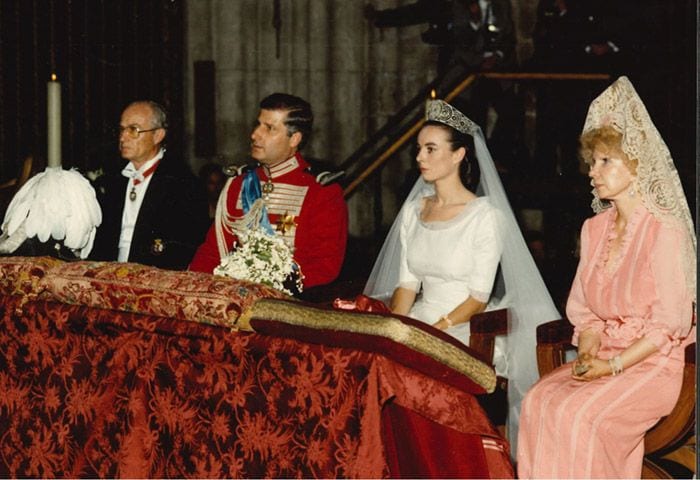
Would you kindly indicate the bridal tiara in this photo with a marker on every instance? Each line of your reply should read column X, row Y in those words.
column 443, row 112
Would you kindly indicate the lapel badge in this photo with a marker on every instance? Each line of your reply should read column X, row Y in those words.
column 157, row 247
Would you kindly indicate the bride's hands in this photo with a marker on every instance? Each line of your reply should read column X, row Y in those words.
column 442, row 324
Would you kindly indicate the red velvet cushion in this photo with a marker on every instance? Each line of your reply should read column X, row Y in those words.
column 131, row 287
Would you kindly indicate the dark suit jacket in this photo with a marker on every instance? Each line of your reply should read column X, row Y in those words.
column 174, row 214
column 470, row 45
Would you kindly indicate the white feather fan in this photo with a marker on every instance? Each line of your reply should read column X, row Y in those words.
column 59, row 204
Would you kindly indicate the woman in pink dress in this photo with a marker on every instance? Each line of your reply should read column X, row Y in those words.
column 631, row 303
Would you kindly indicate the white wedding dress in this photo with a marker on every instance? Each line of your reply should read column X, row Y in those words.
column 446, row 262
column 519, row 287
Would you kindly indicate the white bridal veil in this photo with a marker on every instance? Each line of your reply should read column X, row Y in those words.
column 526, row 297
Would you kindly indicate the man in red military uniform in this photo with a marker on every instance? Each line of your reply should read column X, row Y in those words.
column 309, row 216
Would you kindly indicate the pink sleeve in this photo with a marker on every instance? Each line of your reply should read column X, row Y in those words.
column 672, row 306
column 580, row 316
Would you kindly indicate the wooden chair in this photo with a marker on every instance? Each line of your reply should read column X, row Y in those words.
column 483, row 330
column 671, row 442
column 669, row 447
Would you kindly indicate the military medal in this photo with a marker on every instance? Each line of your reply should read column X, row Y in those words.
column 136, row 181
column 268, row 187
column 286, row 223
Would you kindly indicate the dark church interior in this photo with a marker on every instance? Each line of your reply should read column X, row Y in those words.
column 197, row 397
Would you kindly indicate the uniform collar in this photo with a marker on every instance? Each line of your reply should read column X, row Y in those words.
column 294, row 162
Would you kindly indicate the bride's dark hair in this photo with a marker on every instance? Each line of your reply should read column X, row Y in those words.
column 468, row 168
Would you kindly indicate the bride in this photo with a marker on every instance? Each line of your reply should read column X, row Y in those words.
column 454, row 237
column 440, row 259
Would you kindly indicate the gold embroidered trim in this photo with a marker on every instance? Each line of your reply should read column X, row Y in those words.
column 284, row 167
column 387, row 327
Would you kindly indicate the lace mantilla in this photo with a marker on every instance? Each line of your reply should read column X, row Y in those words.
column 443, row 112
column 620, row 107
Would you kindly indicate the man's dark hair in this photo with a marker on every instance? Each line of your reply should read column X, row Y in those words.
column 299, row 116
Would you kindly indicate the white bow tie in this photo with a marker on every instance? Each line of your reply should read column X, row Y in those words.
column 131, row 172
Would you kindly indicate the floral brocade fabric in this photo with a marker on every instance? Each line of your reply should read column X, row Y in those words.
column 119, row 370
column 22, row 276
column 113, row 394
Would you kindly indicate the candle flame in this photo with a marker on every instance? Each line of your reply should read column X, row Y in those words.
column 53, row 77
column 432, row 94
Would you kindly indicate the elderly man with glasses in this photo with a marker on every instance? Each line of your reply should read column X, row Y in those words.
column 155, row 211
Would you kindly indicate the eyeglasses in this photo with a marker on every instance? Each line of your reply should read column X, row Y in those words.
column 133, row 131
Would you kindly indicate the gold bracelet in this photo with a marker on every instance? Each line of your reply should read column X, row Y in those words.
column 447, row 320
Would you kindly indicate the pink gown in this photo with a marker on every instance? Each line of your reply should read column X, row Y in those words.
column 573, row 429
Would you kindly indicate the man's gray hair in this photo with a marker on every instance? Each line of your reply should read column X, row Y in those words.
column 160, row 117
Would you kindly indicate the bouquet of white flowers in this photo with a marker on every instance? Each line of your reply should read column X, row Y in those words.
column 260, row 258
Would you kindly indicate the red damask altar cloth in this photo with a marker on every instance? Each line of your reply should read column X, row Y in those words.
column 97, row 392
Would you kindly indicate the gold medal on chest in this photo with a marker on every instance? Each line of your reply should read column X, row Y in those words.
column 132, row 194
column 286, row 223
column 268, row 187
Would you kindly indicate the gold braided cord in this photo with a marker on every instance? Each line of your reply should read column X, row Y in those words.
column 293, row 313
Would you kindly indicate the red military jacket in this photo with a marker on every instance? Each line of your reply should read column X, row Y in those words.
column 312, row 217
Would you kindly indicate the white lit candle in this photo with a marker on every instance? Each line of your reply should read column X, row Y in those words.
column 431, row 98
column 53, row 112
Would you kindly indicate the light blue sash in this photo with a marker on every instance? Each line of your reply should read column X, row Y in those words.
column 250, row 192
